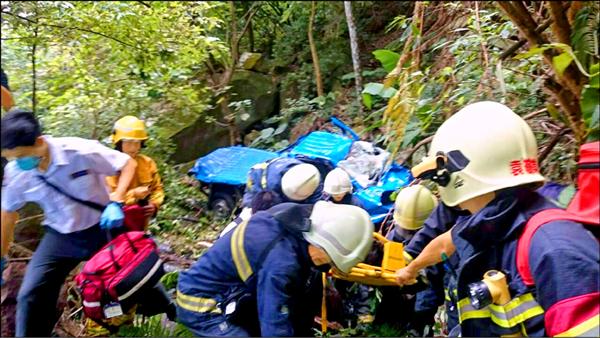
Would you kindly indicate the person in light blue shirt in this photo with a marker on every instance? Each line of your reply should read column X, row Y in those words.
column 64, row 176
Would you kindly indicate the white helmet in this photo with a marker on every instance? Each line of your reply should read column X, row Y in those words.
column 412, row 207
column 484, row 147
column 337, row 182
column 300, row 181
column 344, row 231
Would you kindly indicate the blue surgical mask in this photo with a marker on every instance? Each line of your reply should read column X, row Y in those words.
column 29, row 162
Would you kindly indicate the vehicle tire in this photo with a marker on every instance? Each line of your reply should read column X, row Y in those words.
column 222, row 205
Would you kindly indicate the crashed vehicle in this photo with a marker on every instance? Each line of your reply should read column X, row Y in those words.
column 223, row 172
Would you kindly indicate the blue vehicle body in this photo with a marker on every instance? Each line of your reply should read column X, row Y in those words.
column 227, row 168
column 229, row 165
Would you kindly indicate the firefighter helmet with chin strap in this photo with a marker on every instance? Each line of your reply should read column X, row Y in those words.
column 129, row 128
column 344, row 231
column 482, row 148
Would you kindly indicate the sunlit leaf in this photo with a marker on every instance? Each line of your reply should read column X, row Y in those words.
column 387, row 58
column 561, row 62
column 367, row 100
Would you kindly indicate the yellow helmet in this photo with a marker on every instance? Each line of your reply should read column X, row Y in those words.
column 412, row 207
column 484, row 147
column 129, row 128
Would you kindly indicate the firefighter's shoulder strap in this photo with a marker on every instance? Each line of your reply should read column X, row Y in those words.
column 524, row 242
column 584, row 207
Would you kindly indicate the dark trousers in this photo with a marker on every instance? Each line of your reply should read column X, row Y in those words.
column 51, row 263
column 155, row 300
column 209, row 325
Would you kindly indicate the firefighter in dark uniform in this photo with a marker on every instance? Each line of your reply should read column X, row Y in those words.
column 252, row 280
column 492, row 171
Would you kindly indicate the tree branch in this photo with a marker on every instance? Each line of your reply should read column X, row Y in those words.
column 416, row 147
column 510, row 51
column 72, row 28
column 560, row 25
column 552, row 144
column 143, row 3
column 251, row 13
column 535, row 113
column 18, row 38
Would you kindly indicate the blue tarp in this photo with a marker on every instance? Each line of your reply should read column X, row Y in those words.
column 229, row 165
column 376, row 198
column 323, row 145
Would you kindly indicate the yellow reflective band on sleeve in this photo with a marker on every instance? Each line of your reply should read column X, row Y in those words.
column 589, row 328
column 467, row 311
column 447, row 295
column 197, row 304
column 518, row 310
column 263, row 179
column 515, row 312
column 407, row 257
column 238, row 252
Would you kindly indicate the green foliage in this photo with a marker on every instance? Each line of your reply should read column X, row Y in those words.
column 169, row 280
column 155, row 326
column 584, row 33
column 369, row 330
column 290, row 49
column 387, row 58
column 376, row 89
column 277, row 129
column 121, row 59
column 590, row 104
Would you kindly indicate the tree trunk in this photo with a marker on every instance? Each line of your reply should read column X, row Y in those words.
column 251, row 37
column 34, row 72
column 234, row 43
column 313, row 51
column 567, row 88
column 354, row 49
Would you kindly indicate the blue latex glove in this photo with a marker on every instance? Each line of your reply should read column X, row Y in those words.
column 112, row 216
column 3, row 266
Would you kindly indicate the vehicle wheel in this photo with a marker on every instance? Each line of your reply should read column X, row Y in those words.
column 222, row 206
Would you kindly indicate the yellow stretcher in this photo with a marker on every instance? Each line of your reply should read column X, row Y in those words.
column 393, row 259
column 384, row 275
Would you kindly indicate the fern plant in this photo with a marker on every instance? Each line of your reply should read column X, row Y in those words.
column 584, row 34
column 155, row 326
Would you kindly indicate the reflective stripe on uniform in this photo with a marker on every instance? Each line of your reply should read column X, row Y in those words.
column 238, row 253
column 589, row 328
column 407, row 257
column 447, row 295
column 197, row 304
column 263, row 182
column 263, row 178
column 518, row 310
column 91, row 304
column 467, row 311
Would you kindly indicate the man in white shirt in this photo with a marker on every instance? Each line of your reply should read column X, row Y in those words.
column 57, row 174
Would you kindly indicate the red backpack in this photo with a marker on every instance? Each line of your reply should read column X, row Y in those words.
column 584, row 207
column 111, row 280
column 134, row 218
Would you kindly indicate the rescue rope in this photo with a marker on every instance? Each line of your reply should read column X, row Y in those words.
column 324, row 304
